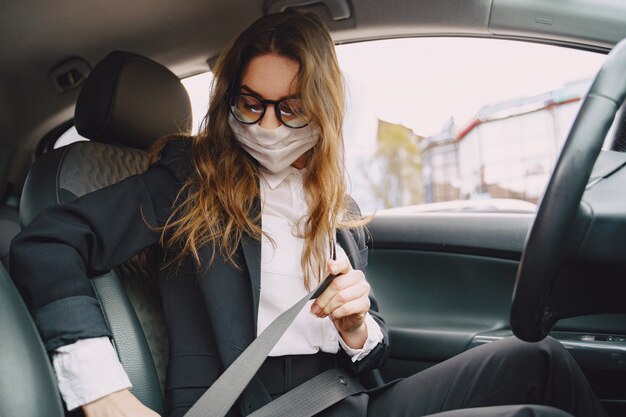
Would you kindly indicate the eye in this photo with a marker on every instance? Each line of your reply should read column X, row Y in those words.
column 292, row 108
column 251, row 104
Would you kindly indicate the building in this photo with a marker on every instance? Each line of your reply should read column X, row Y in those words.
column 440, row 170
column 507, row 150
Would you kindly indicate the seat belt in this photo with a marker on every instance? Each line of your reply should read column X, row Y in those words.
column 322, row 391
column 313, row 396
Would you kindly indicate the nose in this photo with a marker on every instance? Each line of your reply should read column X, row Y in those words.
column 269, row 120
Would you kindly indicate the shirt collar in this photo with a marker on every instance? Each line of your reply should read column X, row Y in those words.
column 275, row 179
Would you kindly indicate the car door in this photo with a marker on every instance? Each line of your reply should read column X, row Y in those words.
column 451, row 184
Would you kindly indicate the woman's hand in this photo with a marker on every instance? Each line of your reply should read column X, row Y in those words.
column 346, row 301
column 118, row 404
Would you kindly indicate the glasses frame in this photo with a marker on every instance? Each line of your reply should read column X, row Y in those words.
column 264, row 103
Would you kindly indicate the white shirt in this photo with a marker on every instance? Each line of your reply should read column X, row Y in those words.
column 283, row 205
column 90, row 369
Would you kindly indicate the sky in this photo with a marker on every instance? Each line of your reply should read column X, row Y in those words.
column 421, row 82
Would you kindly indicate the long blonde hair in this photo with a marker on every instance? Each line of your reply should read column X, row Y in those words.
column 218, row 203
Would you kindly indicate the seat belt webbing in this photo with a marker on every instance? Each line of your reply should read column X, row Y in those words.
column 221, row 396
column 313, row 396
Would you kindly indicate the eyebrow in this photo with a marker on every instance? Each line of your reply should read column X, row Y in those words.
column 250, row 90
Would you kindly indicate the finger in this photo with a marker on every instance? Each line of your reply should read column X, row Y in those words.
column 339, row 266
column 358, row 306
column 338, row 284
column 351, row 293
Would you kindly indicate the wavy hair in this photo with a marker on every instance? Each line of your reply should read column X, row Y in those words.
column 219, row 202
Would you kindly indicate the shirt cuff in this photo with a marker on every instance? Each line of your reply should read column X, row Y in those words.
column 87, row 370
column 374, row 337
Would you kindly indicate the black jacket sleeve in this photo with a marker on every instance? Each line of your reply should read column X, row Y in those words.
column 53, row 258
column 378, row 356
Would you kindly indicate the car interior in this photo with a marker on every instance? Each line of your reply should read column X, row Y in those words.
column 446, row 282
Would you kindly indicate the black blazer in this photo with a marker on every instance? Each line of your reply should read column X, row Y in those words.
column 211, row 313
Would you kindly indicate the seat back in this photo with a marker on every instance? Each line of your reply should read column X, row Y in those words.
column 26, row 377
column 9, row 228
column 123, row 93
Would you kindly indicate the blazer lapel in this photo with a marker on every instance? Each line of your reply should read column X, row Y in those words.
column 232, row 296
column 252, row 254
column 356, row 256
column 228, row 299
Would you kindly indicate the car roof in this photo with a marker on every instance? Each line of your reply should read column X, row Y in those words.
column 185, row 36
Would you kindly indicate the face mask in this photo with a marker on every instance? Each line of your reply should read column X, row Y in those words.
column 275, row 149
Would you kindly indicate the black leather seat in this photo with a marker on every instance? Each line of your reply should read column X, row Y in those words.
column 9, row 227
column 27, row 383
column 127, row 103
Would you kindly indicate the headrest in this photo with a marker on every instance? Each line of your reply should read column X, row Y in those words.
column 131, row 100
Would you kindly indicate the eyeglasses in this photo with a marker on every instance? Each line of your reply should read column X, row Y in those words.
column 250, row 109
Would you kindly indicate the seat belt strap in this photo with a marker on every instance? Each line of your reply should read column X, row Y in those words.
column 221, row 396
column 313, row 396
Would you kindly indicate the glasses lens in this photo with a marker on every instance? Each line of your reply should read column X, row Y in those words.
column 246, row 108
column 292, row 113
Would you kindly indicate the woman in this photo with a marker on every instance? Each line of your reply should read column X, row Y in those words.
column 265, row 173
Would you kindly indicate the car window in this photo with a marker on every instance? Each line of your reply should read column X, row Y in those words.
column 69, row 136
column 197, row 86
column 458, row 124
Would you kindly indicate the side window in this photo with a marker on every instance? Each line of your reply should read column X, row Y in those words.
column 197, row 86
column 455, row 124
column 69, row 136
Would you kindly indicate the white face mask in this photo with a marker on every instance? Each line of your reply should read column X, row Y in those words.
column 275, row 149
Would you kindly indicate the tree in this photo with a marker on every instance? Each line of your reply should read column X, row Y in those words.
column 395, row 176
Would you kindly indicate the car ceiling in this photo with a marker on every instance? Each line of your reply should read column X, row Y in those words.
column 184, row 36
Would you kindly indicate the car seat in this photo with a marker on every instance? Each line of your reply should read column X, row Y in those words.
column 9, row 227
column 28, row 386
column 127, row 103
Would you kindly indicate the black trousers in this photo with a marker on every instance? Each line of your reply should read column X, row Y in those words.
column 508, row 378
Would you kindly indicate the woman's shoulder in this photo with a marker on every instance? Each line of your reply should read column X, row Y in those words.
column 174, row 154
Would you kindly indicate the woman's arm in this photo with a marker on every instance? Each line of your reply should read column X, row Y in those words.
column 118, row 404
column 88, row 370
column 53, row 258
column 379, row 354
column 358, row 254
column 353, row 310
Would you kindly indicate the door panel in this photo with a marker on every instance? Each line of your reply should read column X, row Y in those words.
column 442, row 279
column 491, row 235
column 436, row 302
column 444, row 284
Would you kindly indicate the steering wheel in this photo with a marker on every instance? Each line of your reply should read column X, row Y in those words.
column 532, row 317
